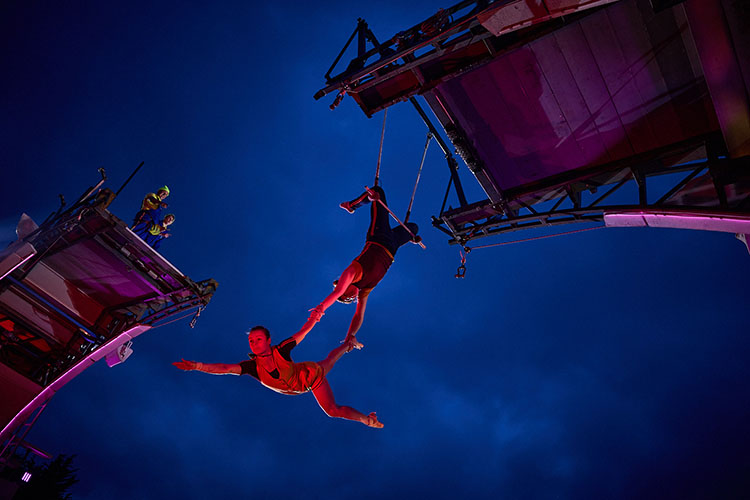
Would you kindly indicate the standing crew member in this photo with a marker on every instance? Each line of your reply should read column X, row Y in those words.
column 151, row 230
column 152, row 201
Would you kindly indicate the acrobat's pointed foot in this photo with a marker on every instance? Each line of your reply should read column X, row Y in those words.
column 372, row 421
column 347, row 205
column 372, row 195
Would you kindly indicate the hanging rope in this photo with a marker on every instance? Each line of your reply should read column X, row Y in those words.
column 380, row 153
column 419, row 173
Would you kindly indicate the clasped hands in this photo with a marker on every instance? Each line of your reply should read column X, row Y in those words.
column 316, row 313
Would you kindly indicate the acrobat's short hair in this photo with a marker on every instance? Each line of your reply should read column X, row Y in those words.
column 345, row 299
column 262, row 329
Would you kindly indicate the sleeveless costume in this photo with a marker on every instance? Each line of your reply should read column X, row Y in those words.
column 288, row 377
column 375, row 261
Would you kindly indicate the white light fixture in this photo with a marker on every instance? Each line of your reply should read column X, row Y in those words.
column 120, row 354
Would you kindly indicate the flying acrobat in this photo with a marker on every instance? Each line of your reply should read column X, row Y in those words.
column 274, row 368
column 370, row 266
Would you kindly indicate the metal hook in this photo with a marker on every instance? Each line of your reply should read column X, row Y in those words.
column 339, row 97
column 195, row 318
column 461, row 271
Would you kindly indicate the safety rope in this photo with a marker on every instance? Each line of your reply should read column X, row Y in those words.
column 461, row 272
column 534, row 238
column 197, row 315
column 380, row 153
column 419, row 173
column 377, row 199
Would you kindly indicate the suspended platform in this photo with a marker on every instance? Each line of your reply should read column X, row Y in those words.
column 575, row 111
column 77, row 289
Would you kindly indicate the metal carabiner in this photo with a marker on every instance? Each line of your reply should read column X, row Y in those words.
column 461, row 271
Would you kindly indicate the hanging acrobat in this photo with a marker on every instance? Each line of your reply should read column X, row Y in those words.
column 370, row 266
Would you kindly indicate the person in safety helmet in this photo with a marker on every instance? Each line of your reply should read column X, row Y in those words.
column 155, row 232
column 152, row 201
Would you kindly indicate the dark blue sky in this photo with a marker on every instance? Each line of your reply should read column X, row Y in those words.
column 607, row 364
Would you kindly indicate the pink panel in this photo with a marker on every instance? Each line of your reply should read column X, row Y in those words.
column 618, row 82
column 64, row 294
column 37, row 316
column 98, row 273
column 589, row 80
column 644, row 71
column 481, row 122
column 671, row 36
column 624, row 94
column 572, row 104
column 551, row 137
column 723, row 72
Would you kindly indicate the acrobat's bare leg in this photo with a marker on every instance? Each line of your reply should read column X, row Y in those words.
column 328, row 363
column 324, row 396
column 333, row 357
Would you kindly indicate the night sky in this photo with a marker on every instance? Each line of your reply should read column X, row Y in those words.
column 605, row 364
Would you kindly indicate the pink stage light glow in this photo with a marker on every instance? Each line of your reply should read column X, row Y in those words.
column 26, row 477
column 704, row 222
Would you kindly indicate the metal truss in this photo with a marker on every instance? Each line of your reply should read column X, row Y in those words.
column 42, row 358
column 415, row 61
column 36, row 355
column 575, row 196
column 156, row 310
column 433, row 31
column 445, row 45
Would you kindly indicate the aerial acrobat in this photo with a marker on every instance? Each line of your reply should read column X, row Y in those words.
column 272, row 365
column 370, row 266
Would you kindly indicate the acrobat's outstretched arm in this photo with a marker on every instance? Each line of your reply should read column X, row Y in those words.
column 347, row 277
column 357, row 319
column 309, row 324
column 212, row 368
